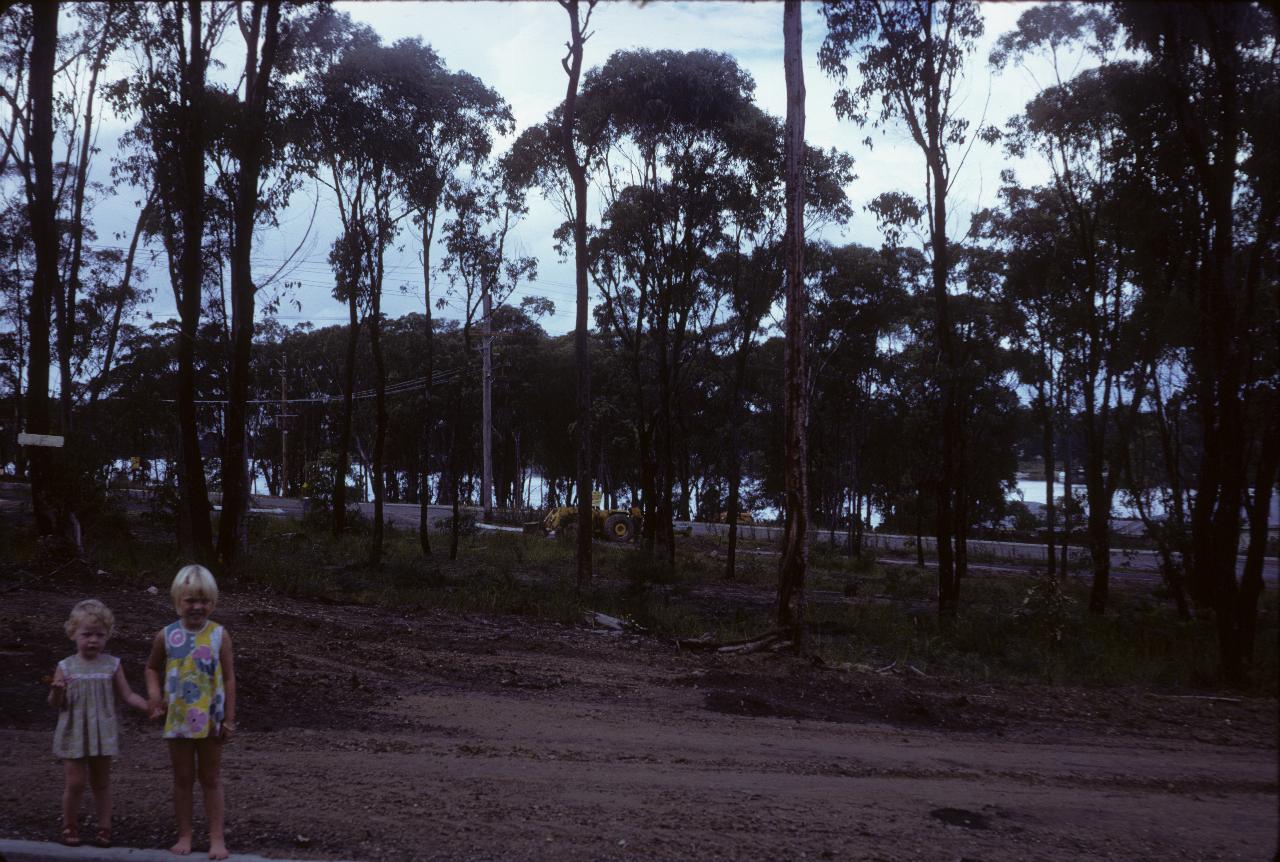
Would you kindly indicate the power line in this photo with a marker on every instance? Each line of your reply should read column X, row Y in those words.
column 398, row 388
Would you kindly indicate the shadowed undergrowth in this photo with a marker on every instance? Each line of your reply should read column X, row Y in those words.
column 1010, row 628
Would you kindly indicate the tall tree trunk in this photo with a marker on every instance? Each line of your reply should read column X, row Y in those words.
column 1259, row 508
column 948, row 584
column 1209, row 105
column 194, row 492
column 44, row 234
column 233, row 533
column 1046, row 453
column 666, row 467
column 577, row 171
column 795, row 547
column 380, row 425
column 962, row 505
column 458, row 441
column 1068, row 490
column 486, row 405
column 344, row 436
column 424, row 497
column 735, row 456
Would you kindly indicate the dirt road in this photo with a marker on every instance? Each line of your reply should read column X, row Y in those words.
column 418, row 735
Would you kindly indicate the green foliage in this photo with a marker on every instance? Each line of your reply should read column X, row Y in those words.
column 1046, row 609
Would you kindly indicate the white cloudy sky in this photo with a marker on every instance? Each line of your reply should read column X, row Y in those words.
column 516, row 49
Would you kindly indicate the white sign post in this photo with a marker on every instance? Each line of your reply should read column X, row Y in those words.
column 52, row 440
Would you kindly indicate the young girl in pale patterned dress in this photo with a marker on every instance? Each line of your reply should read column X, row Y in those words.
column 87, row 737
column 191, row 682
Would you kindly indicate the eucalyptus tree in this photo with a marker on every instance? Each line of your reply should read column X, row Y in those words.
column 329, row 149
column 747, row 275
column 1027, row 231
column 371, row 129
column 482, row 273
column 752, row 275
column 858, row 298
column 911, row 58
column 1218, row 71
column 1077, row 126
column 354, row 142
column 795, row 533
column 101, row 28
column 455, row 119
column 686, row 147
column 251, row 141
column 169, row 93
column 576, row 163
column 560, row 156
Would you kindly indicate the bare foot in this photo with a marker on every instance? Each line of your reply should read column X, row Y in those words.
column 182, row 848
column 218, row 850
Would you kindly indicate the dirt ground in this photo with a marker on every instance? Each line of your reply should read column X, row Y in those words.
column 413, row 734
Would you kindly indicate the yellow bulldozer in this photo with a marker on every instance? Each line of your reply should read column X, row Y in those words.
column 613, row 525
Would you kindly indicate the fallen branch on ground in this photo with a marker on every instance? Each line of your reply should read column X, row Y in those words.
column 1208, row 697
column 774, row 641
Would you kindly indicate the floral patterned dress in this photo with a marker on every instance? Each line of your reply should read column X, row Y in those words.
column 193, row 681
column 87, row 727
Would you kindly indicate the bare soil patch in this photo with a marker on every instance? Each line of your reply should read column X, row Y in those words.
column 370, row 733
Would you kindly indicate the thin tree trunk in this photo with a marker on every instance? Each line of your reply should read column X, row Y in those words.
column 735, row 456
column 572, row 64
column 68, row 294
column 458, row 439
column 486, row 406
column 125, row 290
column 1068, row 491
column 424, row 497
column 1047, row 457
column 795, row 546
column 344, row 437
column 380, row 425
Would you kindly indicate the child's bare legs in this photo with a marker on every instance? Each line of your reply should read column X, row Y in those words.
column 100, row 781
column 209, row 755
column 77, row 773
column 182, row 755
column 192, row 758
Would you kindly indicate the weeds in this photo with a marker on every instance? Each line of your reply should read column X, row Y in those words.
column 1010, row 628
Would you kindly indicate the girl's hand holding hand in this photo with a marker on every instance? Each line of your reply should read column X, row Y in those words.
column 155, row 710
column 228, row 731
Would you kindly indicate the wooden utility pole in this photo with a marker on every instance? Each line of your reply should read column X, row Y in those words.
column 284, row 431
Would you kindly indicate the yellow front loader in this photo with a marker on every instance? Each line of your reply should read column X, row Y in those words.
column 613, row 525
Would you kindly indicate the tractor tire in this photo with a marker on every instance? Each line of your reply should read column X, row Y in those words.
column 619, row 528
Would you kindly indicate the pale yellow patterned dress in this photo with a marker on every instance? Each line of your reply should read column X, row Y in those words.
column 193, row 681
column 88, row 727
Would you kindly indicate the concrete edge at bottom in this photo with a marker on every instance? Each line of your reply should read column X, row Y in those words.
column 44, row 851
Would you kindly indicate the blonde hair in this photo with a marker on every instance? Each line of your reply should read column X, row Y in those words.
column 194, row 581
column 90, row 610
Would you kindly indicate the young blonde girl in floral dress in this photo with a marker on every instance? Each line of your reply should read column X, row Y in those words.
column 191, row 682
column 87, row 737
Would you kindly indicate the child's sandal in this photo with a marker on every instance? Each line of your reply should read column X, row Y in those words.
column 103, row 838
column 70, row 836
